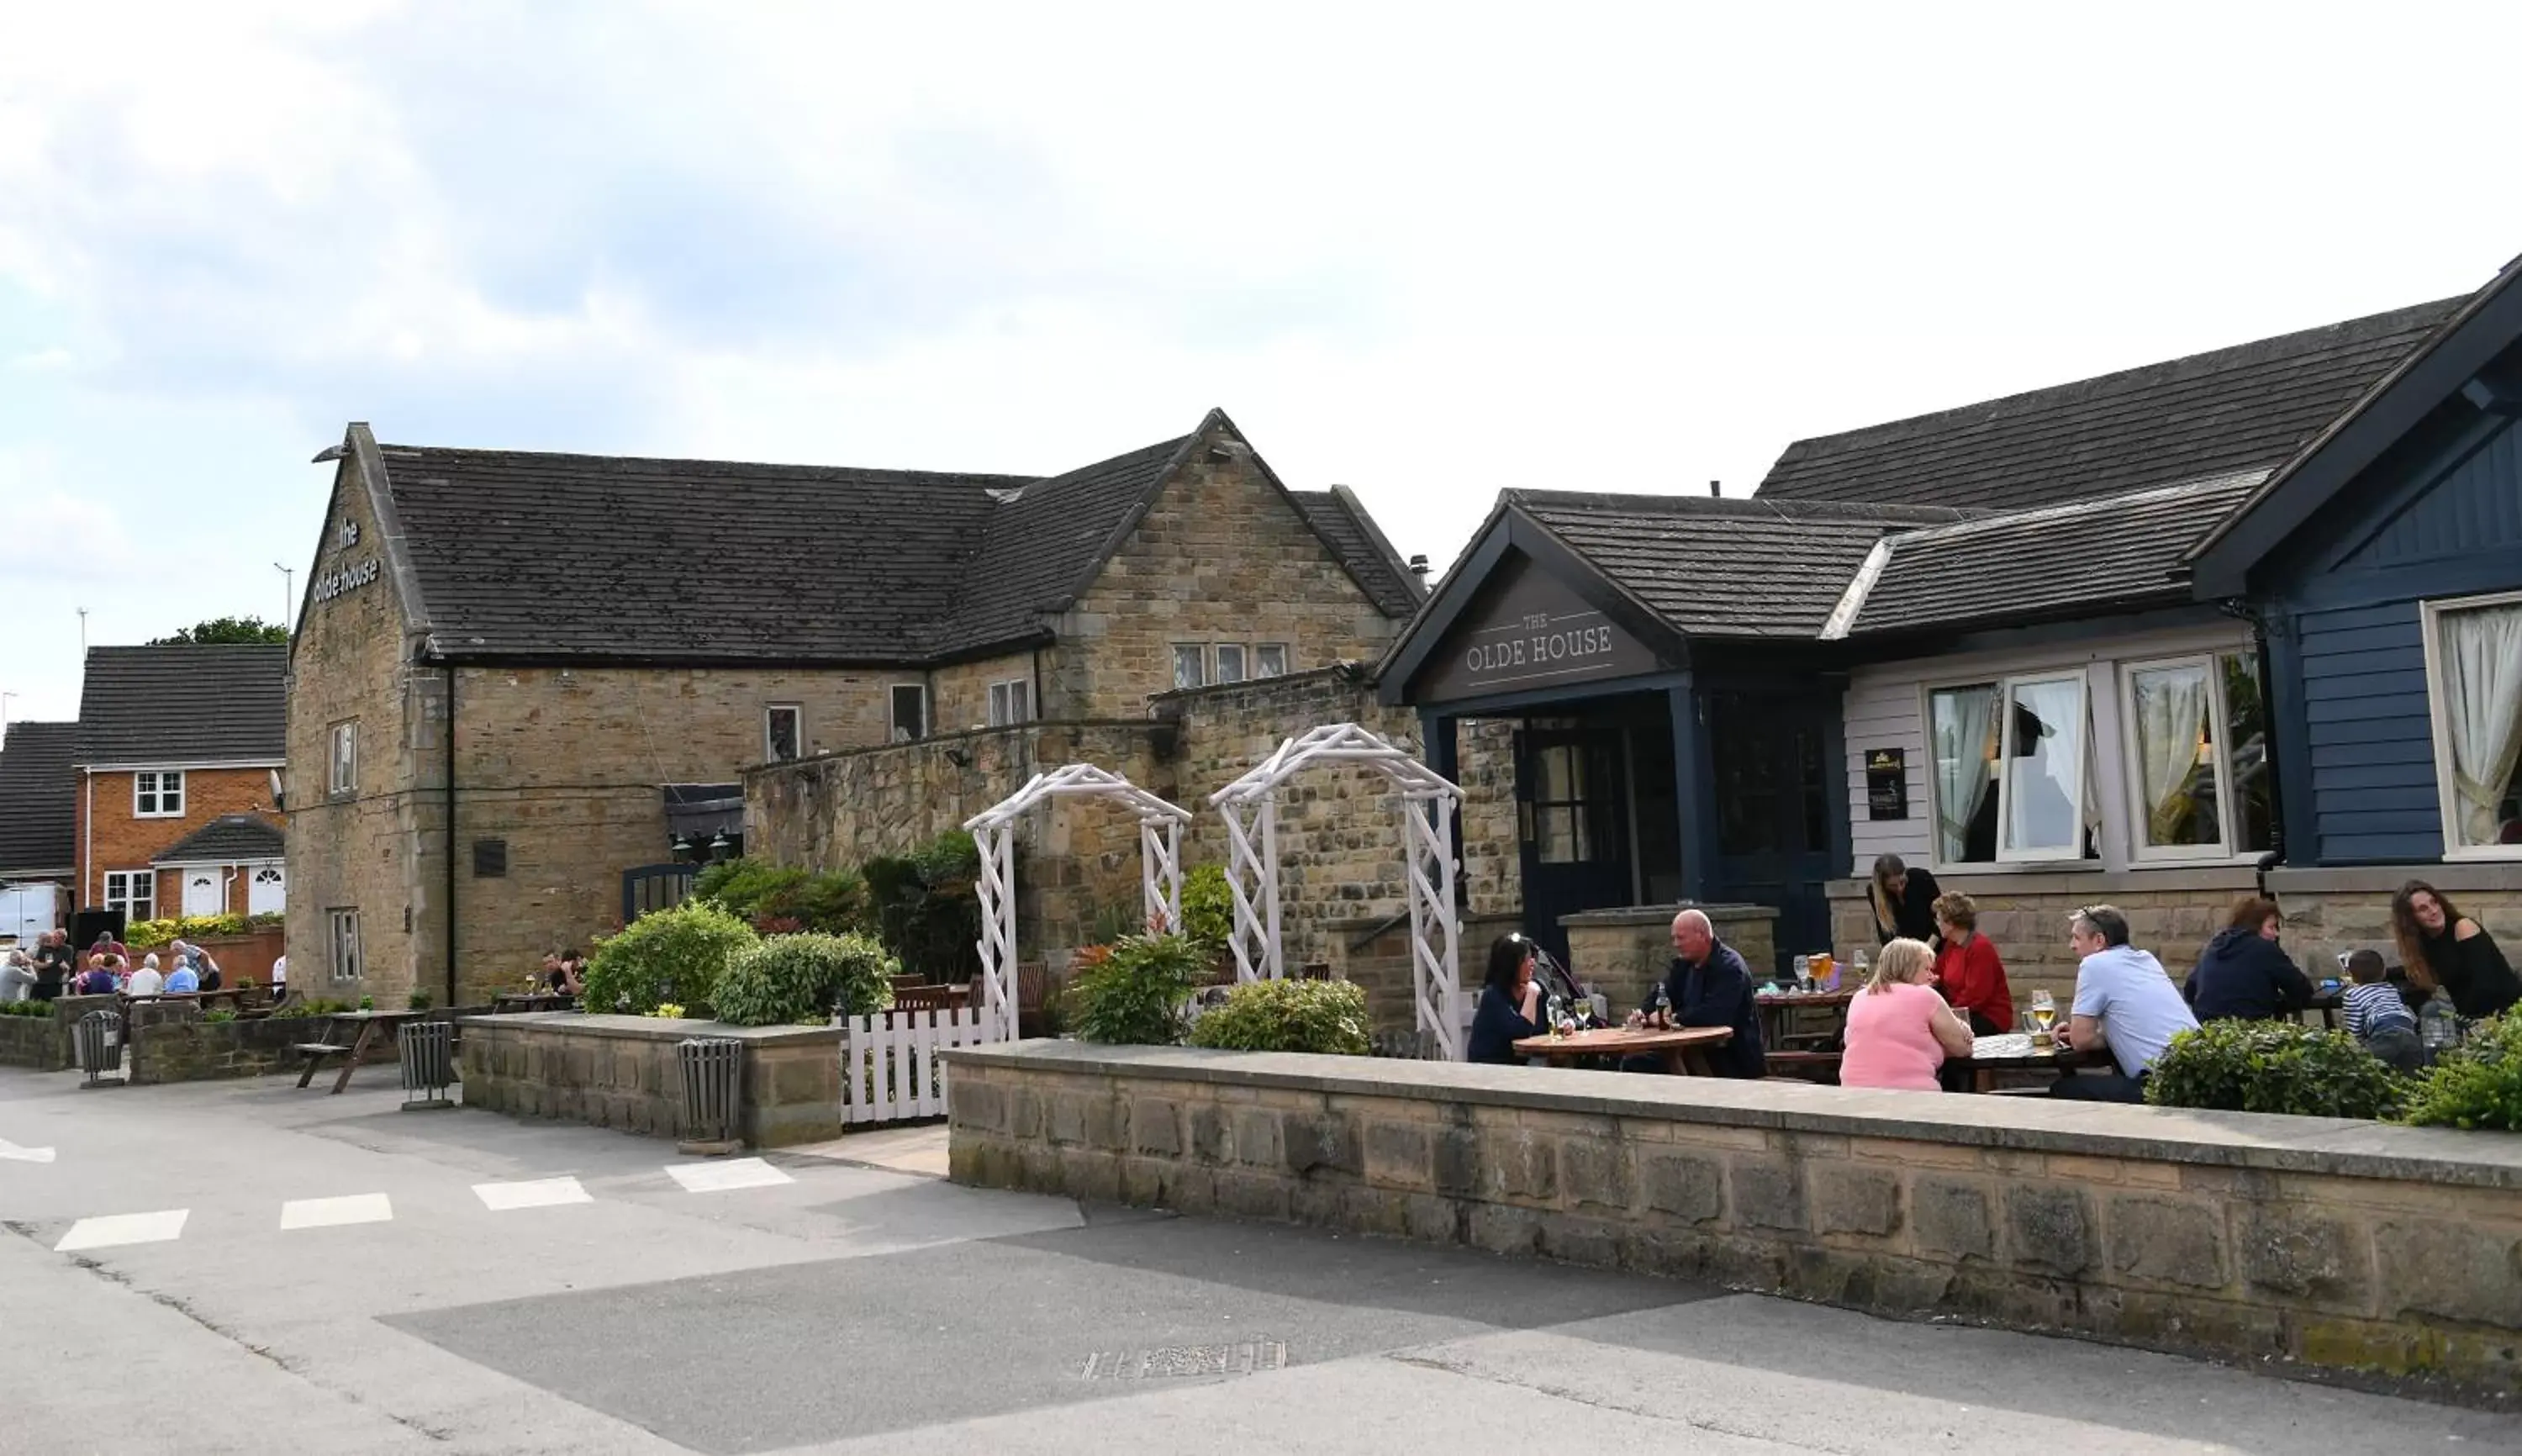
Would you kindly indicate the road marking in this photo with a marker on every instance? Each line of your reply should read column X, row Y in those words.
column 319, row 1213
column 118, row 1229
column 542, row 1193
column 12, row 1152
column 719, row 1178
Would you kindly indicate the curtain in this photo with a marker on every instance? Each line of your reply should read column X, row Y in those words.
column 2170, row 709
column 1963, row 718
column 2482, row 669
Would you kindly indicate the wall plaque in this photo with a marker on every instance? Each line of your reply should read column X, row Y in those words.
column 1887, row 783
column 1529, row 631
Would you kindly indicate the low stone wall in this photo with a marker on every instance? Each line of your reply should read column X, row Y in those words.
column 1625, row 952
column 621, row 1072
column 43, row 1042
column 175, row 1044
column 2336, row 1243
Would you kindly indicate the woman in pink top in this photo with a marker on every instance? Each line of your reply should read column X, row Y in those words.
column 1899, row 1031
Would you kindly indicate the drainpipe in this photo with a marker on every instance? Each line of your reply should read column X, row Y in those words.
column 450, row 835
column 87, row 845
column 1036, row 714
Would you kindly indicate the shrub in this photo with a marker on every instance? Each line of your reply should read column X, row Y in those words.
column 204, row 928
column 268, row 919
column 664, row 1011
column 417, row 1001
column 367, row 1003
column 149, row 935
column 219, row 1016
column 1136, row 993
column 782, row 898
column 2274, row 1067
column 26, row 1008
column 1208, row 908
column 2477, row 1084
column 1323, row 1017
column 927, row 907
column 673, row 954
column 799, row 977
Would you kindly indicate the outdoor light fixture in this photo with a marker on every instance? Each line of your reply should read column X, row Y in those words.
column 719, row 846
column 681, row 850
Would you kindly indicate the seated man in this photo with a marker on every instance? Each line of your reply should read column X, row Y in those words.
column 1708, row 985
column 2123, row 1000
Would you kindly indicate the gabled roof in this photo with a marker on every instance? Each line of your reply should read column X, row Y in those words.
column 1339, row 518
column 229, row 839
column 2247, row 408
column 38, row 799
column 184, row 703
column 1039, row 549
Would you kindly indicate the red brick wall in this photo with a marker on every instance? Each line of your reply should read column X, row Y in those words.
column 123, row 842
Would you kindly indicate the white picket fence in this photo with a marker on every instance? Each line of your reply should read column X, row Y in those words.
column 890, row 1069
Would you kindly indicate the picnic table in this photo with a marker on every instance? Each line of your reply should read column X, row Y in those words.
column 360, row 1029
column 1683, row 1048
column 532, row 1000
column 2013, row 1050
column 2327, row 1003
column 1825, row 1012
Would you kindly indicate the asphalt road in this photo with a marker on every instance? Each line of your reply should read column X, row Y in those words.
column 347, row 1277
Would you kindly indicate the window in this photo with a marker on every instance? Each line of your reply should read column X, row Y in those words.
column 1230, row 663
column 1269, row 660
column 2474, row 690
column 345, row 927
column 2011, row 762
column 783, row 731
column 157, row 794
column 2198, row 757
column 1010, row 702
column 344, row 777
column 134, row 892
column 1563, row 819
column 910, row 712
column 1191, row 665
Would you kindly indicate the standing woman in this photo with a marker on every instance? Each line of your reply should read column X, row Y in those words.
column 2439, row 946
column 1968, row 970
column 1509, row 1003
column 1904, row 902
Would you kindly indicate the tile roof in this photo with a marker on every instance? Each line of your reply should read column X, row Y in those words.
column 2248, row 407
column 229, row 839
column 1724, row 568
column 38, row 798
column 1341, row 518
column 1038, row 548
column 184, row 703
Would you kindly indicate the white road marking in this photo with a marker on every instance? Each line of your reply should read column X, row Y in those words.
column 320, row 1213
column 118, row 1229
column 719, row 1178
column 542, row 1193
column 12, row 1152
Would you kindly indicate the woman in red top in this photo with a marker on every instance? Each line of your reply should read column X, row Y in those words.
column 1967, row 968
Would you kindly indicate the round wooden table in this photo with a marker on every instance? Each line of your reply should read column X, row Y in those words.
column 1683, row 1049
column 2013, row 1051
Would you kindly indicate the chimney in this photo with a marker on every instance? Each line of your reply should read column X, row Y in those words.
column 1716, row 488
column 1418, row 566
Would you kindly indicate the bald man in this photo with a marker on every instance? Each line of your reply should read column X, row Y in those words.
column 1708, row 985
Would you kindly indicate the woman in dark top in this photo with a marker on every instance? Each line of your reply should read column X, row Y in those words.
column 1509, row 1003
column 2244, row 976
column 1904, row 903
column 2440, row 947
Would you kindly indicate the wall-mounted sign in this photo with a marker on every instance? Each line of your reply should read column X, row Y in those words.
column 1530, row 632
column 348, row 578
column 1887, row 783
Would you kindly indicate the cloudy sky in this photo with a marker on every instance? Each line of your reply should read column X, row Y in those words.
column 1630, row 248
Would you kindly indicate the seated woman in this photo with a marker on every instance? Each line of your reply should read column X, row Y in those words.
column 2441, row 947
column 1968, row 969
column 2243, row 976
column 1899, row 1031
column 1509, row 1003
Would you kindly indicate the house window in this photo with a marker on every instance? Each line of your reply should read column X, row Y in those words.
column 1230, row 663
column 1010, row 702
column 910, row 712
column 157, row 794
column 2474, row 692
column 134, row 892
column 1269, row 660
column 2011, row 762
column 344, row 925
column 1191, row 665
column 344, row 777
column 2197, row 742
column 783, row 730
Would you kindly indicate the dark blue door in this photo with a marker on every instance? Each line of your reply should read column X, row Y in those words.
column 1774, row 797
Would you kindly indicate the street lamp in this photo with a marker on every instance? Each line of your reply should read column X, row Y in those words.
column 288, row 592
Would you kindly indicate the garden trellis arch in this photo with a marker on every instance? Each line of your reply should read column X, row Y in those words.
column 1160, row 826
column 1250, row 808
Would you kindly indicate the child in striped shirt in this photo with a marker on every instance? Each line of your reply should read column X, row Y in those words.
column 2378, row 1018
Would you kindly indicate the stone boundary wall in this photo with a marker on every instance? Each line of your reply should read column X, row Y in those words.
column 621, row 1072
column 188, row 1049
column 2341, row 1244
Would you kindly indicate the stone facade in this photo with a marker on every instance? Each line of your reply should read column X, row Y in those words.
column 1625, row 952
column 2339, row 1244
column 621, row 1072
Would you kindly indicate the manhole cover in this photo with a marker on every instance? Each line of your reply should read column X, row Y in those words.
column 1186, row 1360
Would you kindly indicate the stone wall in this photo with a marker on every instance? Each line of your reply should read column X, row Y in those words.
column 2330, row 911
column 43, row 1042
column 1623, row 953
column 184, row 1047
column 621, row 1072
column 2341, row 1245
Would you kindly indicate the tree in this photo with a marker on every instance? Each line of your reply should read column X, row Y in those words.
column 227, row 630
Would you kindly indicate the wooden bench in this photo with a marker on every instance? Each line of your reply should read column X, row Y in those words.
column 1803, row 1066
column 315, row 1053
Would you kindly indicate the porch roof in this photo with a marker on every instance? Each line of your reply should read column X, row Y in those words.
column 229, row 839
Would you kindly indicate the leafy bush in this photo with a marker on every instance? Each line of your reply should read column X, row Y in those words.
column 675, row 955
column 219, row 1016
column 204, row 927
column 2274, row 1067
column 268, row 919
column 927, row 907
column 1325, row 1017
column 417, row 1001
column 1137, row 992
column 781, row 898
column 26, row 1008
column 799, row 977
column 2477, row 1084
column 664, row 1011
column 149, row 935
column 1208, row 908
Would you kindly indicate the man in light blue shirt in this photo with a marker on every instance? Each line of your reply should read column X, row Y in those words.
column 2124, row 1000
column 183, row 981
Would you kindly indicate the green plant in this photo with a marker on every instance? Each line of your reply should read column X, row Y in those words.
column 367, row 1003
column 204, row 927
column 2274, row 1067
column 807, row 976
column 267, row 919
column 293, row 1011
column 675, row 955
column 1136, row 994
column 149, row 935
column 418, row 1001
column 26, row 1008
column 1323, row 1017
column 665, row 1010
column 784, row 897
column 2477, row 1084
column 219, row 1016
column 927, row 907
column 1208, row 908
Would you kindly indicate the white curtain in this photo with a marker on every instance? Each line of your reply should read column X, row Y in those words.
column 2482, row 669
column 2170, row 709
column 1963, row 716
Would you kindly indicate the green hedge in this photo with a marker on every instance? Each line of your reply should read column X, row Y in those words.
column 834, row 902
column 927, row 907
column 802, row 977
column 1321, row 1016
column 2477, row 1084
column 673, row 954
column 2275, row 1066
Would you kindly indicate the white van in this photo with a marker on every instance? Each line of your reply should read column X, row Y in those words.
column 27, row 911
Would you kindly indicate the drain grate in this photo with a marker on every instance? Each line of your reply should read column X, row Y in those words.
column 1186, row 1360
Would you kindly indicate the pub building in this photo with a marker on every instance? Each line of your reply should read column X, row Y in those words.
column 1967, row 639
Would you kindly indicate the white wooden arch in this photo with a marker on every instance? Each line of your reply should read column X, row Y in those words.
column 1160, row 826
column 1250, row 807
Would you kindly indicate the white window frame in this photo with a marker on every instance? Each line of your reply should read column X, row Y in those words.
column 2042, row 854
column 2005, row 684
column 1260, row 647
column 892, row 712
column 159, row 791
column 342, row 772
column 1242, row 662
column 1010, row 702
column 797, row 714
column 2438, row 727
column 2139, row 813
column 145, row 879
column 347, row 961
column 1174, row 658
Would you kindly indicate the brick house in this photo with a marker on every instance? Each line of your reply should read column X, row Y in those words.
column 613, row 640
column 39, row 803
column 177, row 749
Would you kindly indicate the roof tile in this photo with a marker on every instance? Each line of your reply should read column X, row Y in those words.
column 38, row 798
column 184, row 703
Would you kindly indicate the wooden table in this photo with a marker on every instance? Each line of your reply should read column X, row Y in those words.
column 2013, row 1051
column 1683, row 1049
column 2327, row 1003
column 513, row 1002
column 367, row 1025
column 1777, row 1011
